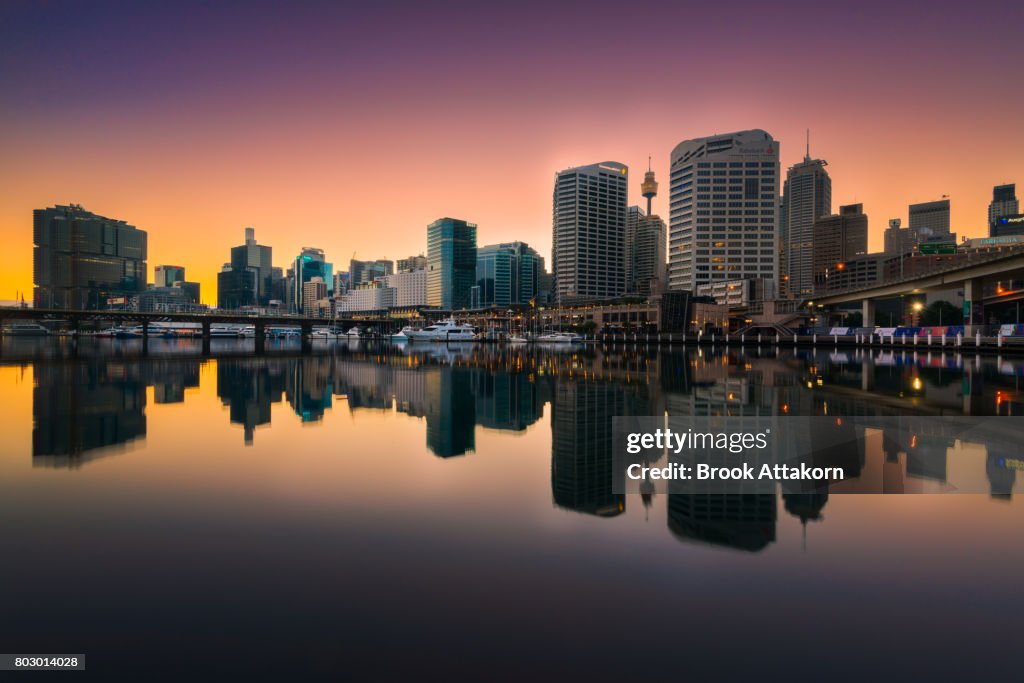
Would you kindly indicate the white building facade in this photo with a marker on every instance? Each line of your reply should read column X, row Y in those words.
column 724, row 209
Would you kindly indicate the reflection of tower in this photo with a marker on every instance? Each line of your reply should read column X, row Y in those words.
column 744, row 521
column 82, row 407
column 451, row 412
column 649, row 188
column 248, row 387
column 999, row 468
column 310, row 387
column 806, row 507
column 582, row 473
column 170, row 379
column 504, row 400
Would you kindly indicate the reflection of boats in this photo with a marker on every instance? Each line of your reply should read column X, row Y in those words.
column 560, row 338
column 446, row 330
column 518, row 340
column 26, row 330
column 449, row 353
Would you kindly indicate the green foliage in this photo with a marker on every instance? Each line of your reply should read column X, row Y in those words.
column 941, row 313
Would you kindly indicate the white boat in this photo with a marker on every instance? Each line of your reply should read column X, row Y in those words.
column 248, row 331
column 120, row 332
column 224, row 331
column 356, row 333
column 326, row 333
column 26, row 330
column 400, row 337
column 446, row 330
column 560, row 338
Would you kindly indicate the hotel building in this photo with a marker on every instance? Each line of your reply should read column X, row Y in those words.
column 588, row 249
column 723, row 217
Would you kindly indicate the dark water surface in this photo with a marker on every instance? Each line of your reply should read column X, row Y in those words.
column 448, row 511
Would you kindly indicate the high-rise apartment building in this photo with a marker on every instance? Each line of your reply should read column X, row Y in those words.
column 406, row 265
column 806, row 197
column 451, row 263
column 312, row 292
column 1004, row 203
column 507, row 274
column 838, row 238
column 723, row 217
column 410, row 288
column 82, row 261
column 588, row 247
column 310, row 263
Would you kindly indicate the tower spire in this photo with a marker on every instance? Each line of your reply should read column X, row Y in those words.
column 807, row 154
column 649, row 188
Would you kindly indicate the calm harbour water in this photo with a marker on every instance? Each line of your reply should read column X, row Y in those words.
column 448, row 510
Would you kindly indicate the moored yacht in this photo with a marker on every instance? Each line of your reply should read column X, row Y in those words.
column 25, row 329
column 224, row 331
column 446, row 330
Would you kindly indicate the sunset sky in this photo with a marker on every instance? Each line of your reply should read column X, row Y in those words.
column 351, row 126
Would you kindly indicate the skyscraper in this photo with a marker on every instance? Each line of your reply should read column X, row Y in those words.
column 166, row 276
column 645, row 243
column 257, row 258
column 507, row 274
column 451, row 263
column 407, row 265
column 365, row 272
column 1004, row 203
column 588, row 247
column 807, row 197
column 247, row 280
column 82, row 260
column 929, row 221
column 837, row 239
column 310, row 263
column 312, row 292
column 723, row 224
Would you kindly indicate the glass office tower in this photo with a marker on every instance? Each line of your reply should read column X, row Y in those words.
column 84, row 261
column 451, row 263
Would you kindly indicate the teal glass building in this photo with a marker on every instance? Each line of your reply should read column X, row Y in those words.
column 308, row 265
column 507, row 274
column 451, row 263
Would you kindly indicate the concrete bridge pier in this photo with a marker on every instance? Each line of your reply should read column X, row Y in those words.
column 867, row 312
column 206, row 337
column 972, row 305
column 145, row 338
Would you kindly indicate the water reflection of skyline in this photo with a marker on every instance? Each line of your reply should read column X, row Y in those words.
column 87, row 408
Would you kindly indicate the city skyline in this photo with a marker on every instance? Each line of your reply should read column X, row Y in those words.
column 194, row 127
